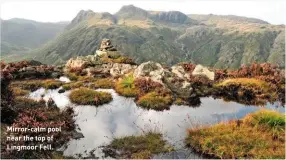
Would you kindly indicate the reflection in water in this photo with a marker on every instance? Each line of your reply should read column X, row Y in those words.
column 122, row 117
column 64, row 79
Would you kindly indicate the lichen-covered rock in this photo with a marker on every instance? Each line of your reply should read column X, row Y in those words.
column 121, row 69
column 179, row 86
column 179, row 71
column 153, row 70
column 203, row 71
column 81, row 62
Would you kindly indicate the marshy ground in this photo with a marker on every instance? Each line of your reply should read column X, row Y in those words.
column 128, row 117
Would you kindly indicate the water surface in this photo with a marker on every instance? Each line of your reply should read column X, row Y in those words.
column 122, row 117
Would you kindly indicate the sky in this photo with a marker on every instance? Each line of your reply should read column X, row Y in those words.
column 272, row 11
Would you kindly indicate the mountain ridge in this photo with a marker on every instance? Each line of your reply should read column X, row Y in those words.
column 169, row 38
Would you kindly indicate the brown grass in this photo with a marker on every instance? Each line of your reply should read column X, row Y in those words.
column 258, row 135
column 85, row 96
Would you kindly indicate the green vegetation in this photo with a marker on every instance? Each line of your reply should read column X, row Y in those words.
column 103, row 83
column 19, row 92
column 117, row 59
column 72, row 85
column 72, row 76
column 16, row 41
column 32, row 85
column 260, row 135
column 140, row 147
column 51, row 84
column 126, row 87
column 246, row 82
column 154, row 100
column 85, row 96
column 243, row 40
column 24, row 103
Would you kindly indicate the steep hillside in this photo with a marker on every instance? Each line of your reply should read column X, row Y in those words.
column 21, row 35
column 169, row 38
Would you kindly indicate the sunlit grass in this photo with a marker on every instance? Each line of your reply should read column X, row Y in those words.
column 258, row 135
column 126, row 87
column 85, row 96
column 140, row 147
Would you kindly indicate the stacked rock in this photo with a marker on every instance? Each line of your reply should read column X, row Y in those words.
column 105, row 46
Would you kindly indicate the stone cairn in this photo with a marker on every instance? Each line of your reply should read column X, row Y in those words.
column 105, row 47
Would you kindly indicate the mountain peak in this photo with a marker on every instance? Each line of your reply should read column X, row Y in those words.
column 82, row 15
column 131, row 11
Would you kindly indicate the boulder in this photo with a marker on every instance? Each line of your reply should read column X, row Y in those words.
column 179, row 71
column 120, row 69
column 153, row 70
column 203, row 71
column 179, row 86
column 81, row 62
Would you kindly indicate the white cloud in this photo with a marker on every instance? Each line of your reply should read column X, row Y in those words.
column 272, row 11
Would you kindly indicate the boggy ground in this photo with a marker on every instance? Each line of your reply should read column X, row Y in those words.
column 137, row 147
column 19, row 111
column 256, row 84
column 259, row 135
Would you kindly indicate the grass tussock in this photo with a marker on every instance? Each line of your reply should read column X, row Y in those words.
column 72, row 76
column 259, row 135
column 139, row 147
column 246, row 82
column 105, row 83
column 86, row 79
column 51, row 84
column 72, row 85
column 19, row 92
column 126, row 87
column 155, row 100
column 32, row 85
column 85, row 96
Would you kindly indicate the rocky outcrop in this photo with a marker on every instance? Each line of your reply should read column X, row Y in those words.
column 81, row 62
column 179, row 71
column 179, row 82
column 119, row 69
column 153, row 70
column 203, row 71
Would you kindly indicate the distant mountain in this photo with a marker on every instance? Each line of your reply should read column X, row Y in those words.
column 169, row 38
column 21, row 35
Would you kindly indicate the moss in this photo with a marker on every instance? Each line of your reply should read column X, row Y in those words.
column 19, row 92
column 249, row 91
column 139, row 147
column 103, row 83
column 85, row 96
column 86, row 79
column 180, row 101
column 72, row 76
column 72, row 85
column 246, row 82
column 23, row 102
column 251, row 137
column 51, row 84
column 30, row 85
column 155, row 101
column 126, row 87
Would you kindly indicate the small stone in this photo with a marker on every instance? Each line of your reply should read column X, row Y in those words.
column 61, row 90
